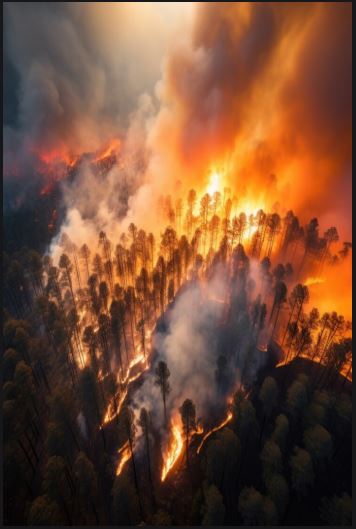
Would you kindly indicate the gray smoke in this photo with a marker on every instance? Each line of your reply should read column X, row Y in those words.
column 191, row 346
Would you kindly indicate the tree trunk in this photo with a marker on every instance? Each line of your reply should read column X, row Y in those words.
column 135, row 475
column 164, row 409
column 290, row 318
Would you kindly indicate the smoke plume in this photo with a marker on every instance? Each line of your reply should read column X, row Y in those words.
column 261, row 90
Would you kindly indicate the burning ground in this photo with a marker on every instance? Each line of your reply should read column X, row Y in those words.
column 144, row 348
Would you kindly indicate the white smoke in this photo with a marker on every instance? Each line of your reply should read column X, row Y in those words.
column 190, row 347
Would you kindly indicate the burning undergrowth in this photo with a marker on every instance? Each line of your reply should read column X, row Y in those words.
column 206, row 359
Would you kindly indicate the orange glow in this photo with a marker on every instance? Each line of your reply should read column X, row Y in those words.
column 174, row 450
column 214, row 182
column 199, row 430
column 60, row 155
column 110, row 149
column 314, row 281
column 208, row 434
column 111, row 413
column 125, row 454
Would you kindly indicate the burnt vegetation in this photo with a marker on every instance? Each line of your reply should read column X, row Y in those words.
column 79, row 342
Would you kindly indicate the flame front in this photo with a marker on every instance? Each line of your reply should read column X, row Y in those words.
column 214, row 183
column 124, row 451
column 174, row 450
column 210, row 432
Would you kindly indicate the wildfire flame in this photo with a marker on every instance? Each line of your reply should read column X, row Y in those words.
column 111, row 413
column 110, row 149
column 174, row 449
column 58, row 155
column 214, row 182
column 124, row 451
column 210, row 432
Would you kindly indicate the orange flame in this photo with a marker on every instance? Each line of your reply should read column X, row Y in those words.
column 208, row 434
column 111, row 413
column 314, row 281
column 125, row 453
column 110, row 149
column 59, row 155
column 214, row 182
column 174, row 449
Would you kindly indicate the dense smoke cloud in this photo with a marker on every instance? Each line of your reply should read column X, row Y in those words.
column 189, row 347
column 195, row 335
column 262, row 90
column 74, row 75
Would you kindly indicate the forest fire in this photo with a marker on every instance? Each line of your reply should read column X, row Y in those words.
column 111, row 149
column 314, row 281
column 180, row 255
column 55, row 164
column 114, row 408
column 115, row 405
column 215, row 429
column 174, row 450
column 215, row 183
column 125, row 455
column 55, row 156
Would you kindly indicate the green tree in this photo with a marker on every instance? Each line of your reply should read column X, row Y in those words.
column 268, row 396
column 222, row 459
column 161, row 517
column 87, row 484
column 318, row 410
column 9, row 361
column 213, row 509
column 271, row 458
column 125, row 503
column 57, row 443
column 297, row 398
column 337, row 510
column 280, row 432
column 318, row 442
column 45, row 511
column 244, row 420
column 55, row 484
column 277, row 489
column 302, row 471
column 255, row 508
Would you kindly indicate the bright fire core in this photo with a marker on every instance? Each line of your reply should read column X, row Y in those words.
column 214, row 183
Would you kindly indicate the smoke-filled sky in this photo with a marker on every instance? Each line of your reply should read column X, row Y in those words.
column 260, row 90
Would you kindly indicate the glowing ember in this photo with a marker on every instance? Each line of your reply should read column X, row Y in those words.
column 174, row 450
column 125, row 454
column 207, row 435
column 199, row 430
